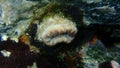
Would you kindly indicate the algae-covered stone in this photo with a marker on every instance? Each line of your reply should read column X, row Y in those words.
column 57, row 23
column 15, row 16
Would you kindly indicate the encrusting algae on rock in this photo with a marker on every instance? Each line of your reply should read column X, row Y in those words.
column 56, row 23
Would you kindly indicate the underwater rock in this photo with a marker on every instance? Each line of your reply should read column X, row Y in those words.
column 13, row 10
column 18, row 30
column 56, row 29
column 23, row 15
column 91, row 1
column 15, row 16
column 56, row 23
column 29, row 22
column 105, row 9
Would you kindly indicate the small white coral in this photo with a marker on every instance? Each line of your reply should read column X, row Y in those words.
column 56, row 29
column 4, row 37
column 5, row 53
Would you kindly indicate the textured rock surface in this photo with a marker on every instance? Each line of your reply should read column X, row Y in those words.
column 16, row 17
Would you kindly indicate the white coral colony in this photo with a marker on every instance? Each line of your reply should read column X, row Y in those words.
column 56, row 29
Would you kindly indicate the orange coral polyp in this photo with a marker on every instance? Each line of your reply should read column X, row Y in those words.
column 24, row 39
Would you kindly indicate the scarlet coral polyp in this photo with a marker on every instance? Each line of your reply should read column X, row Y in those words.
column 56, row 29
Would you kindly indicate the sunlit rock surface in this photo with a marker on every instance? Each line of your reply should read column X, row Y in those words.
column 91, row 1
column 15, row 17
